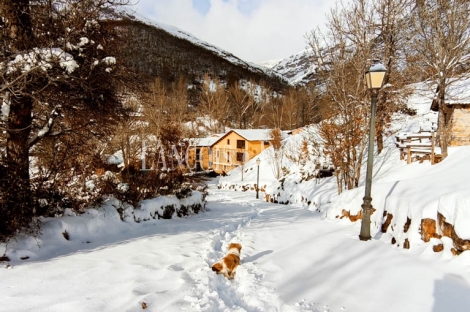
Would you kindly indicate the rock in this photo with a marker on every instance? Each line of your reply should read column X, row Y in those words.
column 428, row 229
column 406, row 245
column 387, row 222
column 438, row 248
column 407, row 225
column 448, row 230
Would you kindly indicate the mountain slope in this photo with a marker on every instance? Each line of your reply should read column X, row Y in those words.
column 298, row 69
column 167, row 52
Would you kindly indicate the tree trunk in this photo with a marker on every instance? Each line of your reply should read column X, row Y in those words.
column 17, row 209
column 444, row 121
column 339, row 180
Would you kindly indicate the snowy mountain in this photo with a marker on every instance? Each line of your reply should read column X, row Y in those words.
column 298, row 69
column 165, row 51
column 169, row 51
column 269, row 63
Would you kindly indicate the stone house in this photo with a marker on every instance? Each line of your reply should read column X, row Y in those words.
column 458, row 99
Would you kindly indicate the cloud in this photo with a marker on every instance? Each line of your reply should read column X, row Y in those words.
column 254, row 30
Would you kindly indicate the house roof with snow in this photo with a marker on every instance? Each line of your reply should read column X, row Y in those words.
column 204, row 141
column 254, row 134
column 249, row 134
column 457, row 93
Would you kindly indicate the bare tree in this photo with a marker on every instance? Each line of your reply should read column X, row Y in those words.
column 177, row 110
column 391, row 40
column 441, row 40
column 357, row 33
column 290, row 107
column 214, row 103
column 277, row 153
column 241, row 101
column 274, row 112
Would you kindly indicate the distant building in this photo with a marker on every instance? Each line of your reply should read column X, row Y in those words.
column 237, row 146
column 200, row 153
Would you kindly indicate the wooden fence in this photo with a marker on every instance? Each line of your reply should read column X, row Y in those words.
column 419, row 146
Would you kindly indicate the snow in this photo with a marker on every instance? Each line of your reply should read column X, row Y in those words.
column 292, row 260
column 254, row 134
column 42, row 59
column 203, row 142
column 269, row 63
column 378, row 67
column 458, row 92
column 297, row 68
column 297, row 257
column 115, row 159
column 109, row 60
column 5, row 108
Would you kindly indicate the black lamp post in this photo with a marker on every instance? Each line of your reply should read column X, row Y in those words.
column 257, row 178
column 374, row 78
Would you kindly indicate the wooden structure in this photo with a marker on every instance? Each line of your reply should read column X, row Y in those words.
column 236, row 147
column 421, row 145
column 200, row 153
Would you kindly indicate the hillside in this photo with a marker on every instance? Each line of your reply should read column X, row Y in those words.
column 158, row 50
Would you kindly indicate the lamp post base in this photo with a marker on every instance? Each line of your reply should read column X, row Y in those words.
column 365, row 223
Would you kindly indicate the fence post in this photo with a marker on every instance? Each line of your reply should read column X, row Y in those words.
column 432, row 147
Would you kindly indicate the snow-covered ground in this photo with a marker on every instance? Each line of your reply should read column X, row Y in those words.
column 296, row 257
column 292, row 260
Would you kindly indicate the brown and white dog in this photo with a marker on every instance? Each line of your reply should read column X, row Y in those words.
column 228, row 264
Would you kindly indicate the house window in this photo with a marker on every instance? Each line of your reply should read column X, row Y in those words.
column 241, row 144
column 217, row 153
column 266, row 142
column 228, row 141
column 241, row 157
column 228, row 156
column 210, row 151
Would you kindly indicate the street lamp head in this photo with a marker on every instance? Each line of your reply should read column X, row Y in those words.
column 375, row 75
column 258, row 161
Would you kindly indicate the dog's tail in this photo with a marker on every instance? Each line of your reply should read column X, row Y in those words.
column 217, row 267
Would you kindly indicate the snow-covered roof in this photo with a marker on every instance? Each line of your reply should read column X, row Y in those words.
column 203, row 141
column 254, row 134
column 458, row 92
column 249, row 134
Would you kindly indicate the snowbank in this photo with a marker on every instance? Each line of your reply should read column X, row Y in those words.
column 403, row 196
column 96, row 226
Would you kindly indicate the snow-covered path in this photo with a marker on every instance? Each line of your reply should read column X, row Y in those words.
column 166, row 266
column 292, row 260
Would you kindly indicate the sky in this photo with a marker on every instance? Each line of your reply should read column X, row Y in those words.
column 253, row 30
